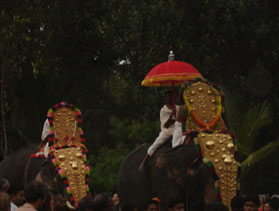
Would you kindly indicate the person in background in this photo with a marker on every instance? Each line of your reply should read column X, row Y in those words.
column 151, row 205
column 261, row 198
column 35, row 195
column 102, row 202
column 17, row 196
column 177, row 204
column 251, row 203
column 4, row 185
column 5, row 202
column 116, row 201
column 48, row 204
column 85, row 204
column 59, row 202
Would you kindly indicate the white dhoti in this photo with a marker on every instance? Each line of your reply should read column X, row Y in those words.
column 164, row 135
column 177, row 138
column 174, row 130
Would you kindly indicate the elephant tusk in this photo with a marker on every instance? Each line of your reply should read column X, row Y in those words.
column 69, row 205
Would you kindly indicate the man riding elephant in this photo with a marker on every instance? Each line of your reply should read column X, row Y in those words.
column 170, row 118
column 202, row 166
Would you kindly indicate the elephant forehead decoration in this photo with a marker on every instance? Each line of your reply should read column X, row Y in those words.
column 67, row 151
column 218, row 150
column 71, row 162
column 204, row 106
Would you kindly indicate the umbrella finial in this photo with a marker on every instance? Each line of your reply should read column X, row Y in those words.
column 171, row 56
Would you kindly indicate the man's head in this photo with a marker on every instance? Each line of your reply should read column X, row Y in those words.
column 4, row 185
column 85, row 204
column 17, row 195
column 103, row 202
column 5, row 202
column 152, row 205
column 267, row 206
column 251, row 203
column 168, row 97
column 115, row 199
column 59, row 202
column 36, row 193
column 177, row 204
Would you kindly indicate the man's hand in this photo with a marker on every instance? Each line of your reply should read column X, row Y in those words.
column 170, row 120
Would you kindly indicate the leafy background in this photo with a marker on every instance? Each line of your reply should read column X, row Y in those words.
column 94, row 54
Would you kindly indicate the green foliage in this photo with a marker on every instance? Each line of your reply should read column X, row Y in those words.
column 256, row 117
column 252, row 122
column 263, row 177
column 235, row 108
column 126, row 135
column 104, row 168
column 260, row 154
column 248, row 120
column 57, row 50
column 133, row 132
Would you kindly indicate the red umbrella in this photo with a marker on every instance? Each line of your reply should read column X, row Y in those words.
column 171, row 73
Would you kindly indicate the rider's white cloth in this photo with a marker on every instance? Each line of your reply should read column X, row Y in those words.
column 166, row 133
column 45, row 133
column 46, row 129
column 13, row 207
column 177, row 138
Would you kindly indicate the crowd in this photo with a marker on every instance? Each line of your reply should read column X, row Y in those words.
column 36, row 196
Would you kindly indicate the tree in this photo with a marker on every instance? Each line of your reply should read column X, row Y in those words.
column 252, row 124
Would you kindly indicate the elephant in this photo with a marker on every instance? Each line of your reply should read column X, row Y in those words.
column 167, row 175
column 204, row 168
column 14, row 166
column 60, row 160
column 20, row 169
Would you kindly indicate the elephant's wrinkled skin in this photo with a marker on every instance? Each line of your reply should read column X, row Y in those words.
column 14, row 169
column 165, row 177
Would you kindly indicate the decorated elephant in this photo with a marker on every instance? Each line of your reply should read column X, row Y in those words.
column 167, row 176
column 202, row 169
column 60, row 162
column 14, row 166
column 19, row 169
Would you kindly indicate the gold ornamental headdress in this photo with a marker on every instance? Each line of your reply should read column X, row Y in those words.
column 67, row 151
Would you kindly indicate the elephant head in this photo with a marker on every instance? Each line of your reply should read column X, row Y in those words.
column 66, row 149
column 183, row 165
column 66, row 172
column 165, row 177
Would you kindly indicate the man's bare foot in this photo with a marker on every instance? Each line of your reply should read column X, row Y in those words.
column 141, row 168
column 142, row 164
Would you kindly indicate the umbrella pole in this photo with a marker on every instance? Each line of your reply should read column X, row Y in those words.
column 173, row 97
